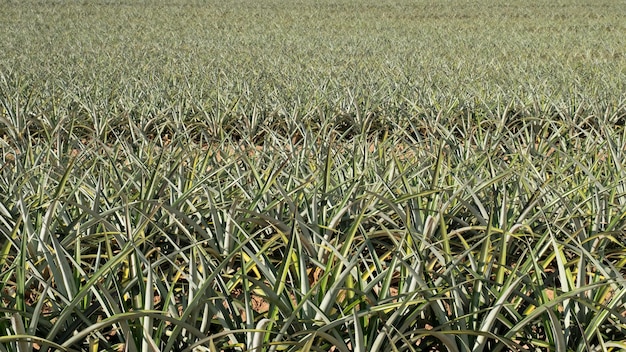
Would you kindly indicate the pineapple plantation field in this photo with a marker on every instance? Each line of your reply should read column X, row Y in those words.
column 312, row 175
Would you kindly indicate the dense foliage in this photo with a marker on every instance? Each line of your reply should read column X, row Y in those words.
column 312, row 175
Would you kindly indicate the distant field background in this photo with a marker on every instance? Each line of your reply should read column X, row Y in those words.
column 313, row 175
column 281, row 56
